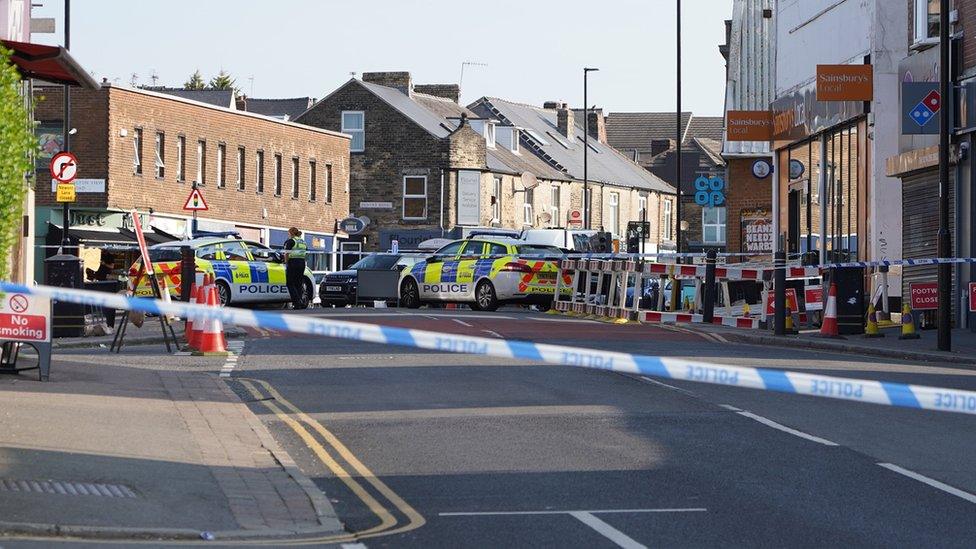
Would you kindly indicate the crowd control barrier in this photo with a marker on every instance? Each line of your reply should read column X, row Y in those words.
column 801, row 383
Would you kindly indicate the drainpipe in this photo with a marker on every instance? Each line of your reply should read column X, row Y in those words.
column 442, row 203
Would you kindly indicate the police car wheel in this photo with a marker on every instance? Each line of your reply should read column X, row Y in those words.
column 409, row 294
column 306, row 296
column 223, row 293
column 484, row 295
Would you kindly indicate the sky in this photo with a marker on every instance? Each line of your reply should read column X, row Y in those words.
column 531, row 50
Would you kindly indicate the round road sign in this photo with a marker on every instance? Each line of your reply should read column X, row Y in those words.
column 64, row 167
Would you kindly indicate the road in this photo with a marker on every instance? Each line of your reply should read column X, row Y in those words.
column 422, row 449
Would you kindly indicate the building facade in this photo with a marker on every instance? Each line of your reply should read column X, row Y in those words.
column 146, row 150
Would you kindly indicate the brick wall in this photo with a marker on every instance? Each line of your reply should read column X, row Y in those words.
column 745, row 192
column 102, row 115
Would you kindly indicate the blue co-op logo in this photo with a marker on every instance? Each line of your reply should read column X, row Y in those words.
column 709, row 191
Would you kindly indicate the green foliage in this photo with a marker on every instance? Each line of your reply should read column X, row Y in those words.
column 222, row 81
column 195, row 82
column 17, row 143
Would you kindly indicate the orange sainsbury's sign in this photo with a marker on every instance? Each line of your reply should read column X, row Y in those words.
column 749, row 126
column 845, row 83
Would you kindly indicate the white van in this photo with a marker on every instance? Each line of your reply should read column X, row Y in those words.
column 567, row 239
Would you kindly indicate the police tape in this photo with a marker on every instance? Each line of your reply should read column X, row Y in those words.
column 858, row 390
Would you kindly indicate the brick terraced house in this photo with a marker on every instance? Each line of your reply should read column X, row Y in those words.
column 259, row 175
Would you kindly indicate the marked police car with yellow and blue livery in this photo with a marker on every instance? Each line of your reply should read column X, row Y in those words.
column 485, row 273
column 244, row 272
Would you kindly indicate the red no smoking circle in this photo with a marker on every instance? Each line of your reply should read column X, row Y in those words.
column 18, row 303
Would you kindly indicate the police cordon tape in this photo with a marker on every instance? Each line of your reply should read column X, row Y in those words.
column 858, row 390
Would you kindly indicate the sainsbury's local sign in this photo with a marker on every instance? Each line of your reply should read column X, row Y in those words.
column 845, row 83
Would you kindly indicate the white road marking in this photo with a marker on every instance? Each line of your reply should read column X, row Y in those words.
column 590, row 511
column 607, row 531
column 353, row 546
column 770, row 423
column 461, row 322
column 665, row 385
column 235, row 348
column 557, row 319
column 493, row 333
column 730, row 408
column 931, row 482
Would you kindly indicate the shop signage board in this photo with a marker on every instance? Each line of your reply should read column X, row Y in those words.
column 757, row 231
column 798, row 115
column 195, row 202
column 709, row 191
column 924, row 295
column 791, row 301
column 25, row 317
column 749, row 126
column 469, row 197
column 83, row 185
column 352, row 225
column 920, row 105
column 376, row 205
column 845, row 83
column 972, row 297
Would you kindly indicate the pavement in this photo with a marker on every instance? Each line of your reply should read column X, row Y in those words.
column 924, row 349
column 145, row 445
column 425, row 449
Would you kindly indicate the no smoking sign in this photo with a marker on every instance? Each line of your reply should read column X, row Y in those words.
column 18, row 303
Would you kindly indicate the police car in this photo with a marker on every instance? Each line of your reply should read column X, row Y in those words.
column 484, row 273
column 245, row 272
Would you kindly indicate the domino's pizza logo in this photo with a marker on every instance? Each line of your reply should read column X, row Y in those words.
column 925, row 110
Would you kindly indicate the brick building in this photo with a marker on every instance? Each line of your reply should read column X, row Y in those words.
column 258, row 175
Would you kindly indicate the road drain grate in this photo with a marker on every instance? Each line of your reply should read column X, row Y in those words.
column 67, row 488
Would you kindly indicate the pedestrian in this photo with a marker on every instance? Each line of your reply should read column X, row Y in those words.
column 295, row 252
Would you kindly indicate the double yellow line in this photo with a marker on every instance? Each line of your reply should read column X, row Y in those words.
column 297, row 420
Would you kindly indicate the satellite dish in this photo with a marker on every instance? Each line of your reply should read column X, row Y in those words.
column 546, row 217
column 529, row 181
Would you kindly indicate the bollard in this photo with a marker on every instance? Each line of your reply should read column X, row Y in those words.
column 779, row 287
column 708, row 307
column 188, row 270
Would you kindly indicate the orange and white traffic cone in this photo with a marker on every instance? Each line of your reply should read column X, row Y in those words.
column 829, row 326
column 193, row 339
column 211, row 338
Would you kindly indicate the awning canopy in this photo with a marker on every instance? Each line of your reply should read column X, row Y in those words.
column 49, row 63
column 92, row 238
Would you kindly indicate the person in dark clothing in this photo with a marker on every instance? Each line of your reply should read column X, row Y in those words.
column 295, row 252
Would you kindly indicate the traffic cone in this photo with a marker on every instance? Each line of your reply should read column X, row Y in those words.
column 871, row 330
column 193, row 339
column 907, row 323
column 829, row 326
column 211, row 338
column 746, row 312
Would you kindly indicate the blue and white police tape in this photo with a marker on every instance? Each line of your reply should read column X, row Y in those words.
column 859, row 390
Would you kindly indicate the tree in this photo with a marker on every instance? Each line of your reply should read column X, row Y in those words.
column 222, row 81
column 195, row 82
column 17, row 143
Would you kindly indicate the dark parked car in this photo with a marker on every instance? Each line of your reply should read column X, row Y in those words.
column 338, row 289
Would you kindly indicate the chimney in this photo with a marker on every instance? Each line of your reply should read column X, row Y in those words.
column 597, row 125
column 659, row 146
column 241, row 102
column 399, row 80
column 447, row 91
column 565, row 121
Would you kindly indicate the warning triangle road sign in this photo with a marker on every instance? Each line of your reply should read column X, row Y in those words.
column 195, row 201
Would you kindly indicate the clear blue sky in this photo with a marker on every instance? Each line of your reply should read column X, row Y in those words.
column 535, row 49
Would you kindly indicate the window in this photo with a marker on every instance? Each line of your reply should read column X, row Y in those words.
column 642, row 208
column 221, row 164
column 294, row 177
column 515, row 141
column 496, row 200
column 415, row 197
column 259, row 159
column 614, row 216
column 311, row 181
column 554, row 205
column 451, row 249
column 926, row 21
column 497, row 250
column 666, row 233
column 137, row 151
column 202, row 162
column 528, row 216
column 328, row 184
column 180, row 158
column 234, row 251
column 207, row 252
column 713, row 225
column 240, row 168
column 160, row 154
column 490, row 135
column 277, row 174
column 354, row 123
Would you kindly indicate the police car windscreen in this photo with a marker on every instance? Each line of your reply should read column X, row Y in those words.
column 164, row 255
column 376, row 262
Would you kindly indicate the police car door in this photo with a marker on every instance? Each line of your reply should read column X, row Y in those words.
column 265, row 267
column 243, row 287
column 438, row 269
column 472, row 253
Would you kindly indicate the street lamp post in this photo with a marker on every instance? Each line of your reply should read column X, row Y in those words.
column 66, row 129
column 677, row 137
column 945, row 239
column 586, row 147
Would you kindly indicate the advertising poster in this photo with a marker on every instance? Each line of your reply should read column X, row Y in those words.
column 757, row 231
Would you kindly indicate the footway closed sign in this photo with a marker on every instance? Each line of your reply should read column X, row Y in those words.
column 25, row 317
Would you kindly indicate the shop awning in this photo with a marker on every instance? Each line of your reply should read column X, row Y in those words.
column 48, row 63
column 155, row 236
column 90, row 238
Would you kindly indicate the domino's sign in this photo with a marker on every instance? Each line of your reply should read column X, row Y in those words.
column 709, row 191
column 921, row 103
